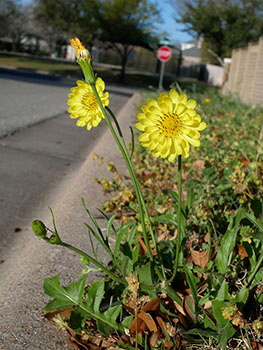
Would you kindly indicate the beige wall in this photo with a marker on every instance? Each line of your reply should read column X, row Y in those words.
column 246, row 73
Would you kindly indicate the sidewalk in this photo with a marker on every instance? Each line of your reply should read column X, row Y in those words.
column 60, row 171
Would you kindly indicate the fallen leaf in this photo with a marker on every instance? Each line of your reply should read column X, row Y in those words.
column 200, row 258
column 152, row 305
column 256, row 346
column 65, row 314
column 148, row 320
column 188, row 304
column 241, row 251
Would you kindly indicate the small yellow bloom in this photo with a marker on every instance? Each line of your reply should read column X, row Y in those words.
column 229, row 311
column 80, row 51
column 83, row 103
column 169, row 124
column 257, row 325
column 207, row 100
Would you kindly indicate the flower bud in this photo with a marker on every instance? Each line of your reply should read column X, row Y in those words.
column 39, row 229
column 84, row 60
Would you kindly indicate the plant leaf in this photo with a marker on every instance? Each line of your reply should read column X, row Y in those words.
column 224, row 254
column 64, row 297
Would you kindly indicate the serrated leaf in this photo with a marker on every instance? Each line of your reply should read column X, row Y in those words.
column 64, row 297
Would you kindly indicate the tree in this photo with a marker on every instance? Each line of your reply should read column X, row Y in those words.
column 124, row 23
column 15, row 21
column 60, row 19
column 118, row 23
column 224, row 24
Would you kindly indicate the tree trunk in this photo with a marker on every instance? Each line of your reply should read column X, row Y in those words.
column 124, row 59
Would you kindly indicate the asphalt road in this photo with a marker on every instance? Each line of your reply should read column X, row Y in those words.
column 28, row 98
column 39, row 144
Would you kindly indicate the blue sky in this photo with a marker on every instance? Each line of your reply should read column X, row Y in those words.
column 169, row 25
column 174, row 30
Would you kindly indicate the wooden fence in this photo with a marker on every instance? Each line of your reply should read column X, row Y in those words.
column 246, row 73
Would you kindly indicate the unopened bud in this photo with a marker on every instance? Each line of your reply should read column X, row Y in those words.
column 84, row 60
column 39, row 229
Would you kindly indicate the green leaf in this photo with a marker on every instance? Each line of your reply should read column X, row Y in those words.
column 95, row 294
column 224, row 334
column 111, row 315
column 203, row 333
column 176, row 198
column 132, row 142
column 64, row 297
column 225, row 329
column 192, row 283
column 242, row 296
column 122, row 233
column 166, row 219
column 77, row 319
column 223, row 293
column 145, row 274
column 224, row 254
column 254, row 221
column 209, row 324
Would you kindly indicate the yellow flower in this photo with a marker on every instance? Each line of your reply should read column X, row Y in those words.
column 80, row 51
column 169, row 124
column 83, row 103
column 207, row 100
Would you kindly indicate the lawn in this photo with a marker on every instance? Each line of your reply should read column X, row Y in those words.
column 134, row 78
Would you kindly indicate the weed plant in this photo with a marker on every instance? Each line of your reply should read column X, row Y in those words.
column 185, row 264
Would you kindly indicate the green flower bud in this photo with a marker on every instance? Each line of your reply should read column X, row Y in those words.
column 39, row 229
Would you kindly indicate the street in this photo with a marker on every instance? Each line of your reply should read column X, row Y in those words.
column 34, row 160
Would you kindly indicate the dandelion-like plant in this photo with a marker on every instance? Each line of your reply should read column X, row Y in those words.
column 84, row 105
column 169, row 124
column 146, row 288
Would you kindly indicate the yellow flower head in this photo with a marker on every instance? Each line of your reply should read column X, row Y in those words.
column 83, row 103
column 80, row 51
column 169, row 124
column 207, row 100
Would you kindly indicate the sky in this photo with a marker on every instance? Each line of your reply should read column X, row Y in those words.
column 174, row 30
column 169, row 25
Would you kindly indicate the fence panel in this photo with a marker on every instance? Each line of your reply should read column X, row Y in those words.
column 246, row 73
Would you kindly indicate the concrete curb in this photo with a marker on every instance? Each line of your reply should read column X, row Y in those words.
column 31, row 260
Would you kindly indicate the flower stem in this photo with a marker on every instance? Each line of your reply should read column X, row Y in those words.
column 179, row 221
column 122, row 146
column 95, row 262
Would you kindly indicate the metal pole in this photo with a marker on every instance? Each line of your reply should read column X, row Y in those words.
column 161, row 76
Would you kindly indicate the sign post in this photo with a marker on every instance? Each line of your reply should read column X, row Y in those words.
column 164, row 54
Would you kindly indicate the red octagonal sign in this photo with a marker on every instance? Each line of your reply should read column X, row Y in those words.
column 164, row 53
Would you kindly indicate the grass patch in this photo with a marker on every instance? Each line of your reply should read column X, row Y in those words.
column 134, row 78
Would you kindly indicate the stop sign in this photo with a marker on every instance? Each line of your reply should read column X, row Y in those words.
column 164, row 53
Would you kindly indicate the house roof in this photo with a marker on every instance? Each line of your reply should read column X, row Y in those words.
column 192, row 48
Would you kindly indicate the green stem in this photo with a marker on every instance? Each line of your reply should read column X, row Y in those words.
column 255, row 270
column 123, row 149
column 179, row 221
column 95, row 262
